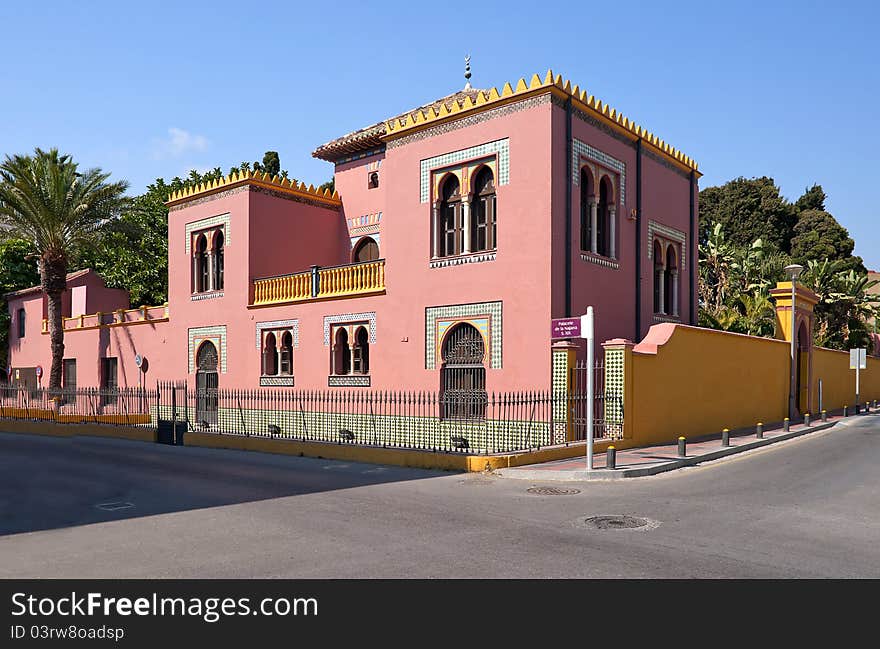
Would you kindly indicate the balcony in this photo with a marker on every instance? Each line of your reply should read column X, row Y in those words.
column 350, row 280
column 118, row 318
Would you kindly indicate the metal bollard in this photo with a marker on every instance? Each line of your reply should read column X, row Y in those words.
column 759, row 430
column 786, row 424
column 824, row 415
column 725, row 437
column 807, row 419
column 682, row 447
column 611, row 458
column 844, row 411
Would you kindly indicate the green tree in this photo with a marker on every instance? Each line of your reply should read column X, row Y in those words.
column 18, row 270
column 818, row 235
column 813, row 199
column 47, row 201
column 748, row 209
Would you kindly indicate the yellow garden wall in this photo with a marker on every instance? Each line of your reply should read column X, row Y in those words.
column 692, row 381
column 839, row 382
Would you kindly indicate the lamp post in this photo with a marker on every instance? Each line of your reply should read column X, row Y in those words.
column 793, row 271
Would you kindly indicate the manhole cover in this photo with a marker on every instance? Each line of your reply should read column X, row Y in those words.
column 112, row 507
column 552, row 491
column 618, row 522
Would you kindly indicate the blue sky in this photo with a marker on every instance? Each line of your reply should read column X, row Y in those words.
column 784, row 89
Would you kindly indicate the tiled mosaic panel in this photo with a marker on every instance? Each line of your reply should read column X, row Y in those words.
column 293, row 325
column 481, row 325
column 560, row 380
column 216, row 335
column 273, row 381
column 349, row 381
column 501, row 147
column 204, row 224
column 373, row 235
column 579, row 149
column 669, row 233
column 614, row 391
column 420, row 432
column 462, row 312
column 350, row 318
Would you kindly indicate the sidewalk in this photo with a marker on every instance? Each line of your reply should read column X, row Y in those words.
column 651, row 460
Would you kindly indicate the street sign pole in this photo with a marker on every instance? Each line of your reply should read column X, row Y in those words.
column 587, row 332
column 858, row 360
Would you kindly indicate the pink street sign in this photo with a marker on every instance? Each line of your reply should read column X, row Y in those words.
column 565, row 328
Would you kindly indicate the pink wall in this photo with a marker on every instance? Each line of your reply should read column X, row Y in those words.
column 269, row 235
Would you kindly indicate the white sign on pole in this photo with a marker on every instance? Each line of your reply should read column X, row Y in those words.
column 587, row 332
column 858, row 359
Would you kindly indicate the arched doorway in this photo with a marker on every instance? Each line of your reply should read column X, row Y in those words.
column 463, row 375
column 802, row 371
column 206, row 384
column 366, row 250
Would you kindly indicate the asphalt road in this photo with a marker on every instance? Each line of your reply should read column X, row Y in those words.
column 803, row 508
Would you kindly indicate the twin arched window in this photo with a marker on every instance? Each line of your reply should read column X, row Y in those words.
column 350, row 357
column 278, row 362
column 465, row 224
column 208, row 264
column 598, row 216
column 665, row 278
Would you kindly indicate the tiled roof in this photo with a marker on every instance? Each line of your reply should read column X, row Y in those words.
column 469, row 102
column 70, row 276
column 370, row 137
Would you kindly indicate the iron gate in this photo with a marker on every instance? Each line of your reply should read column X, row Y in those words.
column 607, row 404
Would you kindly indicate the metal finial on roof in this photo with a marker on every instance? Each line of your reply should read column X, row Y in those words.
column 467, row 72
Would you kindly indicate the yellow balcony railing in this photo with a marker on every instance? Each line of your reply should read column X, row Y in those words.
column 322, row 283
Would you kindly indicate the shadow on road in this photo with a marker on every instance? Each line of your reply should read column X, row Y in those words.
column 50, row 482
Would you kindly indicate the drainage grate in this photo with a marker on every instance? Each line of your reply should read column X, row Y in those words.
column 552, row 491
column 615, row 522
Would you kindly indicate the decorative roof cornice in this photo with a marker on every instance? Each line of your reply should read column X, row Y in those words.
column 422, row 118
column 256, row 178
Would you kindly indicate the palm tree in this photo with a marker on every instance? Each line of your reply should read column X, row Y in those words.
column 47, row 201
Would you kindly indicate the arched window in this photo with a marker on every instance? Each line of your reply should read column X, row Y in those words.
column 483, row 216
column 588, row 205
column 448, row 214
column 366, row 250
column 201, row 264
column 287, row 354
column 270, row 355
column 206, row 384
column 361, row 352
column 463, row 375
column 658, row 277
column 670, row 279
column 603, row 218
column 341, row 358
column 373, row 180
column 218, row 261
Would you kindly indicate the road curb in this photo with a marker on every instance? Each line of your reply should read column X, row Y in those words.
column 654, row 469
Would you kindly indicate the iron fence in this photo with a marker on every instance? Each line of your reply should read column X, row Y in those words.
column 458, row 420
column 121, row 406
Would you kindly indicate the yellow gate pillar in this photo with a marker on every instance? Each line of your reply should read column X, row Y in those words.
column 804, row 319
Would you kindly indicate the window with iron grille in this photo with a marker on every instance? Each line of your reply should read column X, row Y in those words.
column 109, row 380
column 463, row 375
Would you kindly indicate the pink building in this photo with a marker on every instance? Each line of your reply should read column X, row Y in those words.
column 458, row 231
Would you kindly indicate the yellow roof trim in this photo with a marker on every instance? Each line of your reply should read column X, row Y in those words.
column 522, row 89
column 238, row 178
